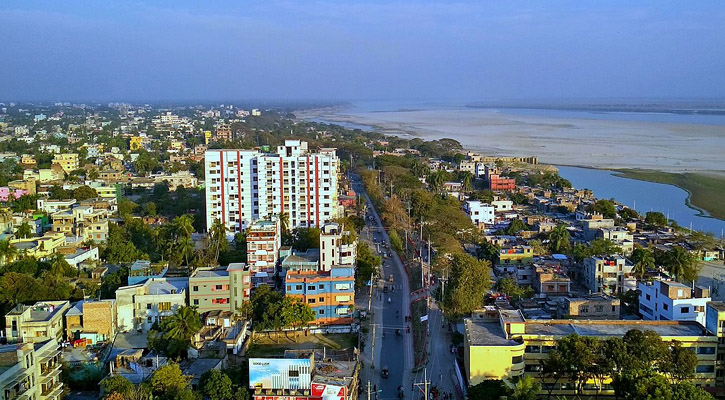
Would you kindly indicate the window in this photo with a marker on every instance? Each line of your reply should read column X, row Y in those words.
column 321, row 312
column 705, row 369
column 298, row 287
column 165, row 306
column 196, row 288
column 532, row 349
column 517, row 359
column 149, row 320
column 148, row 306
column 598, row 309
column 684, row 310
column 321, row 299
column 196, row 302
column 532, row 368
column 664, row 307
column 583, row 309
column 547, row 349
column 217, row 287
column 340, row 299
column 310, row 301
column 289, row 288
column 706, row 350
column 342, row 286
column 311, row 287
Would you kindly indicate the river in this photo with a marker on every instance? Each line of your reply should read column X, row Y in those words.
column 642, row 196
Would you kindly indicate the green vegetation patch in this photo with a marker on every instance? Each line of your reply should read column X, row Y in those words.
column 706, row 191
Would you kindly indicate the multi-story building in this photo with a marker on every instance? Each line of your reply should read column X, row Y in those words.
column 330, row 294
column 264, row 238
column 37, row 323
column 501, row 344
column 549, row 280
column 665, row 300
column 67, row 161
column 142, row 270
column 39, row 247
column 596, row 306
column 516, row 255
column 337, row 247
column 608, row 275
column 498, row 183
column 480, row 213
column 140, row 306
column 243, row 186
column 176, row 179
column 221, row 289
column 91, row 320
column 330, row 289
column 82, row 221
column 52, row 206
column 223, row 133
column 30, row 371
column 136, row 143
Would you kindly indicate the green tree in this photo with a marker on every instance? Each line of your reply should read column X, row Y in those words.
column 688, row 391
column 17, row 288
column 508, row 286
column 84, row 192
column 655, row 218
column 606, row 208
column 395, row 241
column 580, row 355
column 168, row 381
column 469, row 281
column 604, row 247
column 145, row 163
column 60, row 267
column 643, row 260
column 116, row 384
column 679, row 363
column 488, row 251
column 126, row 207
column 306, row 238
column 216, row 385
column 682, row 264
column 183, row 324
column 515, row 227
column 218, row 239
column 489, row 389
column 559, row 239
column 526, row 388
column 24, row 231
column 7, row 252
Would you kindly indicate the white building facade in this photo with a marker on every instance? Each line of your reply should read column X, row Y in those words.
column 663, row 300
column 243, row 186
column 480, row 213
column 609, row 275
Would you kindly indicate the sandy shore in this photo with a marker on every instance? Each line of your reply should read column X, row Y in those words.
column 596, row 143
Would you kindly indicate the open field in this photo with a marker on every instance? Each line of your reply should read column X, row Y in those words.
column 706, row 191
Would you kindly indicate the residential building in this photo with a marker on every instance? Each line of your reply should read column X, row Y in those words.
column 595, row 306
column 609, row 275
column 481, row 214
column 264, row 238
column 220, row 289
column 30, row 371
column 37, row 323
column 498, row 183
column 550, row 280
column 243, row 186
column 51, row 206
column 67, row 161
column 176, row 179
column 136, row 143
column 140, row 306
column 620, row 236
column 516, row 255
column 502, row 205
column 666, row 300
column 82, row 221
column 330, row 294
column 308, row 261
column 336, row 247
column 43, row 175
column 39, row 247
column 223, row 133
column 502, row 344
column 715, row 324
column 91, row 320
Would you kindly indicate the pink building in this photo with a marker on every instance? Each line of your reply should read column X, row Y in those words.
column 6, row 192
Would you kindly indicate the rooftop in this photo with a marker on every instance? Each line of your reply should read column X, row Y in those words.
column 210, row 273
column 486, row 333
column 609, row 328
column 166, row 286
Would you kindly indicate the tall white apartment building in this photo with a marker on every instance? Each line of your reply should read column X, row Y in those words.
column 664, row 300
column 243, row 186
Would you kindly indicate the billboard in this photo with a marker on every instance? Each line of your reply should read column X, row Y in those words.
column 280, row 373
column 328, row 392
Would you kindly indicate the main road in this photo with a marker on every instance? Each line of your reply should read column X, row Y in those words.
column 392, row 351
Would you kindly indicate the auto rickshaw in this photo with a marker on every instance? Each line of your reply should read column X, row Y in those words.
column 385, row 372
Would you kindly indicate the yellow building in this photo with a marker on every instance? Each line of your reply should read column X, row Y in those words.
column 501, row 344
column 136, row 143
column 106, row 192
column 67, row 161
column 39, row 247
column 207, row 137
column 516, row 255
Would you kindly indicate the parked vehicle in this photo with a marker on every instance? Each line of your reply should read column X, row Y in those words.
column 385, row 372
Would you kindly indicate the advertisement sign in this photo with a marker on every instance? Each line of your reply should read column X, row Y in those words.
column 280, row 373
column 328, row 392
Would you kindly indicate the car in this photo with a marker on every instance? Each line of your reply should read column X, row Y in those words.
column 391, row 279
column 385, row 373
column 385, row 289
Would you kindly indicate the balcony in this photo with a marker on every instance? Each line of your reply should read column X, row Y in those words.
column 54, row 391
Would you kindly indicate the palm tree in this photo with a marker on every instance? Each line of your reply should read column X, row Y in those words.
column 466, row 181
column 59, row 266
column 184, row 225
column 218, row 238
column 526, row 388
column 679, row 262
column 284, row 221
column 7, row 251
column 559, row 239
column 185, row 248
column 435, row 181
column 24, row 231
column 644, row 260
column 183, row 324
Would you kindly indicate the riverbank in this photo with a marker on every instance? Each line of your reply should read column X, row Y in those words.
column 705, row 191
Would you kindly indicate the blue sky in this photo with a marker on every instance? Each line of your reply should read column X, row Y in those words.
column 413, row 50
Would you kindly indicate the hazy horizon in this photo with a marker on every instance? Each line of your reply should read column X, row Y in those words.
column 328, row 51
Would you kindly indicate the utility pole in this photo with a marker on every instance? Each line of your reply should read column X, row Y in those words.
column 372, row 356
column 368, row 390
column 424, row 384
column 370, row 298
